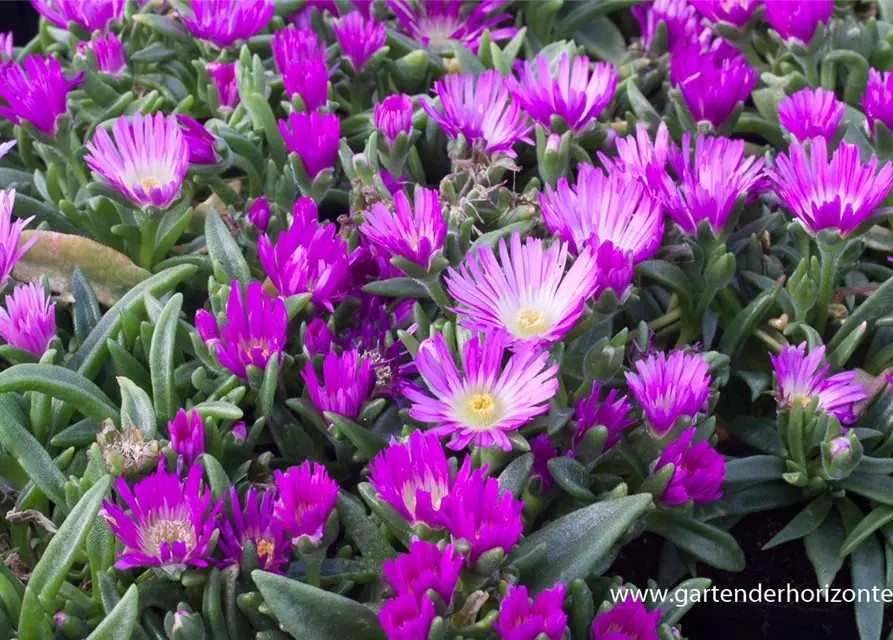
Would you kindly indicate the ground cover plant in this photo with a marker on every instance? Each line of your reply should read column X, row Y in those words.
column 394, row 319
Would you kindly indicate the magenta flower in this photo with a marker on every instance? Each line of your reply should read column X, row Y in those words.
column 438, row 22
column 711, row 179
column 543, row 451
column 89, row 14
column 199, row 141
column 604, row 208
column 259, row 214
column 736, row 12
column 698, row 474
column 612, row 413
column 108, row 53
column 840, row 194
column 393, row 116
column 642, row 159
column 797, row 19
column 10, row 234
column 255, row 524
column 527, row 292
column 570, row 92
column 318, row 338
column 147, row 160
column 407, row 618
column 391, row 363
column 479, row 108
column 252, row 333
column 414, row 478
column 170, row 524
column 710, row 83
column 29, row 320
column 6, row 43
column 223, row 77
column 801, row 377
column 292, row 45
column 627, row 620
column 359, row 38
column 306, row 497
column 811, row 113
column 239, row 431
column 680, row 18
column 310, row 257
column 615, row 269
column 347, row 383
column 424, row 567
column 488, row 399
column 483, row 515
column 187, row 435
column 223, row 22
column 877, row 101
column 314, row 137
column 309, row 79
column 35, row 92
column 415, row 233
column 668, row 387
column 521, row 620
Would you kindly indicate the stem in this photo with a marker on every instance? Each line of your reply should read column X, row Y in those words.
column 665, row 320
column 147, row 245
column 769, row 340
column 830, row 255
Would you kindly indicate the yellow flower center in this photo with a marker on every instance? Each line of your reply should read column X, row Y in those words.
column 265, row 548
column 150, row 183
column 482, row 406
column 168, row 532
column 531, row 322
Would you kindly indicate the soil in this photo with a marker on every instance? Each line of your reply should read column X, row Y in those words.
column 775, row 568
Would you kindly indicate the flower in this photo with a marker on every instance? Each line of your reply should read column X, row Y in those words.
column 347, row 382
column 359, row 38
column 611, row 413
column 239, row 431
column 29, row 320
column 414, row 478
column 407, row 618
column 223, row 76
column 391, row 362
column 309, row 79
column 36, row 92
column 797, row 19
column 306, row 497
column 6, row 43
column 252, row 333
column 543, row 451
column 393, row 116
column 736, row 12
column 569, row 92
column 479, row 108
column 810, row 113
column 436, row 23
column 199, row 141
column 88, row 14
column 223, row 22
column 711, row 83
column 698, row 474
column 488, row 399
column 292, row 45
column 519, row 620
column 877, row 101
column 801, row 377
column 413, row 233
column 108, row 53
column 481, row 513
column 309, row 257
column 642, row 159
column 711, row 181
column 614, row 267
column 125, row 451
column 529, row 295
column 259, row 214
column 187, row 434
column 600, row 208
column 10, row 234
column 839, row 194
column 314, row 137
column 669, row 387
column 255, row 524
column 147, row 160
column 680, row 18
column 318, row 338
column 424, row 567
column 171, row 522
column 627, row 620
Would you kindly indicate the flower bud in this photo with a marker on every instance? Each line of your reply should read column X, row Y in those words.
column 259, row 214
